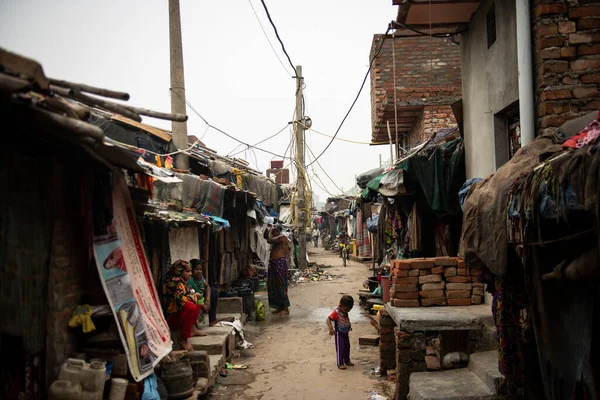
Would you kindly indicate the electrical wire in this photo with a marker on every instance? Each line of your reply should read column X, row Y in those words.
column 222, row 131
column 269, row 40
column 262, row 141
column 356, row 98
column 396, row 24
column 277, row 34
column 323, row 169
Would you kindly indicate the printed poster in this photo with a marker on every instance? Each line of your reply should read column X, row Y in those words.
column 127, row 281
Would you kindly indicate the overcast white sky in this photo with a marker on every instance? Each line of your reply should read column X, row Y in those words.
column 232, row 75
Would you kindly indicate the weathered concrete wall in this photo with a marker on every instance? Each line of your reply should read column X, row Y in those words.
column 489, row 85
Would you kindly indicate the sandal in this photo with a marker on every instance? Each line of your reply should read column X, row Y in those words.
column 342, row 367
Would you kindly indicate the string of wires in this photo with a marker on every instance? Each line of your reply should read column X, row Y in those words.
column 277, row 34
column 257, row 143
column 223, row 132
column 356, row 98
column 322, row 169
column 269, row 40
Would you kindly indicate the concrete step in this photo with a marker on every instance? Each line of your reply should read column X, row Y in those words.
column 485, row 366
column 215, row 343
column 448, row 385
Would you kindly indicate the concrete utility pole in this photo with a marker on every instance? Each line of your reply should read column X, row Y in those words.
column 178, row 106
column 300, row 170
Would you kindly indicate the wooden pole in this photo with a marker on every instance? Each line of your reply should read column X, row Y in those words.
column 390, row 137
column 96, row 102
column 300, row 168
column 91, row 89
column 207, row 253
column 178, row 104
column 156, row 114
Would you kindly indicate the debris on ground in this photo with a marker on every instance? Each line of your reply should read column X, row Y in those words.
column 314, row 274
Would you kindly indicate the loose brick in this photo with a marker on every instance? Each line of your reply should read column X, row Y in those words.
column 588, row 23
column 400, row 281
column 475, row 271
column 409, row 287
column 567, row 80
column 431, row 294
column 434, row 302
column 552, row 8
column 551, row 41
column 461, row 271
column 478, row 284
column 450, row 271
column 402, row 264
column 568, row 52
column 459, row 302
column 401, row 273
column 458, row 286
column 437, row 270
column 475, row 299
column 407, row 295
column 555, row 67
column 583, row 38
column 423, row 272
column 460, row 263
column 555, row 94
column 433, row 286
column 589, row 11
column 584, row 65
column 588, row 50
column 418, row 263
column 413, row 272
column 458, row 294
column 477, row 291
column 405, row 303
column 430, row 279
column 591, row 78
column 445, row 261
column 585, row 92
column 566, row 27
column 458, row 279
column 546, row 30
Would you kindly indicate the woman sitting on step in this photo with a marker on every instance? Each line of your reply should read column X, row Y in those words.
column 182, row 308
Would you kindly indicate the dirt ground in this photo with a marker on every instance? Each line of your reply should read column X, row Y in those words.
column 294, row 356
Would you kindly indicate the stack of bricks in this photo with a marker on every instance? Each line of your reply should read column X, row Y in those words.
column 436, row 281
column 567, row 42
column 387, row 343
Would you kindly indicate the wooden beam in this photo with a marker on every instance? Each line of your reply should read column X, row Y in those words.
column 96, row 102
column 9, row 83
column 156, row 114
column 90, row 89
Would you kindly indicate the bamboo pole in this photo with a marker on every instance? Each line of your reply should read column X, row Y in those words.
column 96, row 102
column 91, row 89
column 156, row 114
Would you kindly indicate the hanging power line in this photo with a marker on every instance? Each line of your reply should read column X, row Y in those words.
column 323, row 169
column 277, row 34
column 223, row 132
column 269, row 40
column 256, row 144
column 357, row 96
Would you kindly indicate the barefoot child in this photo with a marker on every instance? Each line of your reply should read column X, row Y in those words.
column 342, row 328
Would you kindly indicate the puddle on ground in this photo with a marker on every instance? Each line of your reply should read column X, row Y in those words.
column 321, row 314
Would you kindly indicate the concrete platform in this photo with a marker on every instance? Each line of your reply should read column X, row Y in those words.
column 448, row 385
column 441, row 318
column 485, row 366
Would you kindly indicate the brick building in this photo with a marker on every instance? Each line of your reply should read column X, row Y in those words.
column 417, row 103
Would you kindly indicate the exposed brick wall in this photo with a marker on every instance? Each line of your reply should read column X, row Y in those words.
column 433, row 119
column 427, row 74
column 567, row 42
column 387, row 343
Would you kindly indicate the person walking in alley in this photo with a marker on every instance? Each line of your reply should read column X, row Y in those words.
column 315, row 235
column 278, row 270
column 341, row 329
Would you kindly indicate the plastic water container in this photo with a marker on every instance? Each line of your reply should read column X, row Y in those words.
column 65, row 390
column 92, row 377
column 118, row 388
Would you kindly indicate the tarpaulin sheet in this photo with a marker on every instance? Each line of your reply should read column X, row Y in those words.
column 363, row 179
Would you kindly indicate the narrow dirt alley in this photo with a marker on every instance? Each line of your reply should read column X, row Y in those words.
column 294, row 356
